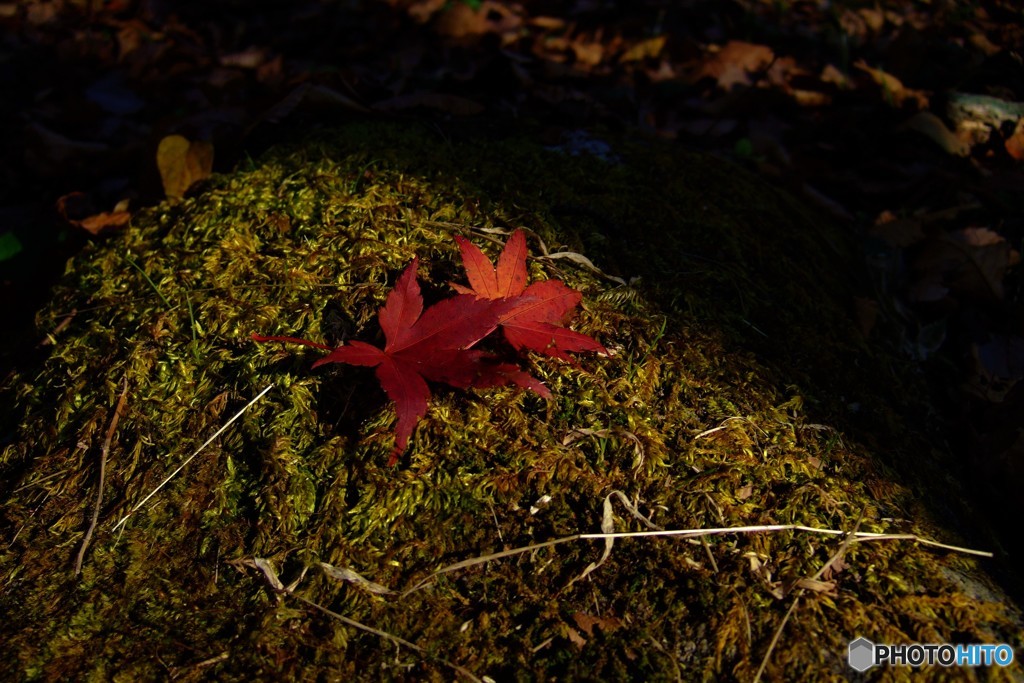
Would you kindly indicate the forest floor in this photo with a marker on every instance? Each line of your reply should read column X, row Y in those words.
column 904, row 121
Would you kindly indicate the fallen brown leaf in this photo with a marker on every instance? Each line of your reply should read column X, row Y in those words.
column 586, row 623
column 424, row 10
column 733, row 63
column 104, row 222
column 75, row 204
column 1015, row 143
column 547, row 23
column 588, row 53
column 645, row 49
column 831, row 74
column 574, row 637
column 182, row 163
column 460, row 21
column 893, row 88
column 971, row 262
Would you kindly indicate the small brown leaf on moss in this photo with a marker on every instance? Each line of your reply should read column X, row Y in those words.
column 182, row 163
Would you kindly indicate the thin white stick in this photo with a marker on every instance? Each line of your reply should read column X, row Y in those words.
column 191, row 457
column 694, row 533
column 858, row 536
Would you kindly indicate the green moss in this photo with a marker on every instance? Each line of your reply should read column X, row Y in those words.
column 727, row 401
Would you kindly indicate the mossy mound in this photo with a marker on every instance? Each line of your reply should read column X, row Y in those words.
column 738, row 393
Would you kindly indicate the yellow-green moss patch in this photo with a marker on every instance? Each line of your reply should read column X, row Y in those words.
column 738, row 393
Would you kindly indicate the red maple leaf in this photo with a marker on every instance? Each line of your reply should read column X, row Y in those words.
column 428, row 345
column 434, row 345
column 536, row 320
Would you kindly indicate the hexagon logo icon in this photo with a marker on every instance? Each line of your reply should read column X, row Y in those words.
column 862, row 654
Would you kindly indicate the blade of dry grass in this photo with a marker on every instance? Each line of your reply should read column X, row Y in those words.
column 191, row 457
column 855, row 537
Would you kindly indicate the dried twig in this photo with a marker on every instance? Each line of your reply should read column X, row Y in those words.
column 103, row 474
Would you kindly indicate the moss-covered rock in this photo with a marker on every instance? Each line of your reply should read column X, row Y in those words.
column 738, row 392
